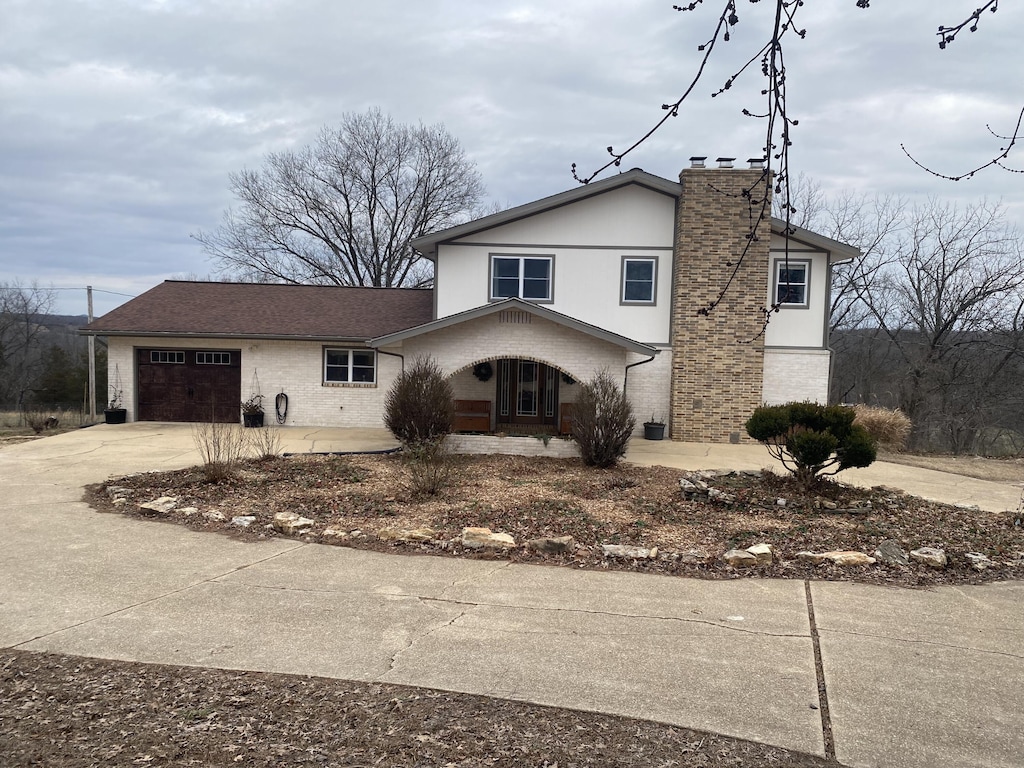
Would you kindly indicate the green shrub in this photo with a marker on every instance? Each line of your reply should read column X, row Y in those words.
column 419, row 407
column 602, row 421
column 809, row 439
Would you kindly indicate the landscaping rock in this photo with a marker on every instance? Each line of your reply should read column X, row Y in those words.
column 407, row 534
column 765, row 553
column 117, row 491
column 214, row 516
column 626, row 552
column 740, row 558
column 969, row 507
column 930, row 556
column 160, row 506
column 483, row 538
column 716, row 495
column 839, row 557
column 330, row 533
column 810, row 557
column 243, row 521
column 557, row 545
column 978, row 561
column 848, row 557
column 891, row 553
column 692, row 556
column 290, row 523
column 189, row 511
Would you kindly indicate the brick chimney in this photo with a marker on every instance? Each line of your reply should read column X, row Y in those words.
column 718, row 359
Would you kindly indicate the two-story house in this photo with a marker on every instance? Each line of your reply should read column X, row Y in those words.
column 615, row 275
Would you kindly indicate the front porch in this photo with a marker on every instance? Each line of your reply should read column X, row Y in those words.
column 513, row 396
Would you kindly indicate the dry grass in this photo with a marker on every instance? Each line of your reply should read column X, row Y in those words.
column 889, row 428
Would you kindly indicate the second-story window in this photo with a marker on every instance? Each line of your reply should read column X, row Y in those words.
column 522, row 277
column 638, row 280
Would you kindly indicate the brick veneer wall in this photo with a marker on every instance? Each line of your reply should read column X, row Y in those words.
column 717, row 361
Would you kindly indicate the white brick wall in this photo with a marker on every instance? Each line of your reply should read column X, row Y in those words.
column 796, row 374
column 292, row 367
column 649, row 387
column 296, row 368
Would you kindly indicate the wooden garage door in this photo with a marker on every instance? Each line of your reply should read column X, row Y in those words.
column 189, row 384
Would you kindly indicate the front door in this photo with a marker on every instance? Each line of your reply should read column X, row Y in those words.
column 527, row 393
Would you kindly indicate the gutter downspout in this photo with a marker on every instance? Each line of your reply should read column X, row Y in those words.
column 625, row 377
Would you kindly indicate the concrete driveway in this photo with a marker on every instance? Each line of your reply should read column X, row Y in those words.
column 912, row 678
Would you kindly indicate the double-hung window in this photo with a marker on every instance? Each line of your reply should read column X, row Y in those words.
column 639, row 280
column 350, row 366
column 522, row 277
column 792, row 280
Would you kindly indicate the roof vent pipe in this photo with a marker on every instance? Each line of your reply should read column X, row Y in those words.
column 725, row 162
column 697, row 162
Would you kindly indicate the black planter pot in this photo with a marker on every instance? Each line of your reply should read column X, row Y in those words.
column 253, row 419
column 115, row 415
column 653, row 431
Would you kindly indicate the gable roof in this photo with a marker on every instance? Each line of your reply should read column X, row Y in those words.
column 427, row 244
column 266, row 310
column 525, row 306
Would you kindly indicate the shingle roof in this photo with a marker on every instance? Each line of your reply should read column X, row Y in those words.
column 267, row 310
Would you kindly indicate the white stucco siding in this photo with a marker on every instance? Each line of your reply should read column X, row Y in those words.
column 292, row 367
column 796, row 375
column 799, row 326
column 587, row 241
column 630, row 215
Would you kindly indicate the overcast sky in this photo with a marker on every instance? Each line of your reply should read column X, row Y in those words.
column 120, row 120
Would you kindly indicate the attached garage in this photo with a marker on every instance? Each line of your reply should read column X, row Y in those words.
column 189, row 384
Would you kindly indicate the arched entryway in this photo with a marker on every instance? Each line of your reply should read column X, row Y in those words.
column 513, row 395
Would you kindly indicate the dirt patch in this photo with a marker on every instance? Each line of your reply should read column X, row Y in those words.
column 352, row 499
column 63, row 711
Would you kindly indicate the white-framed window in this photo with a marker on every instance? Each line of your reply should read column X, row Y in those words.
column 213, row 358
column 639, row 280
column 792, row 283
column 350, row 366
column 175, row 357
column 522, row 277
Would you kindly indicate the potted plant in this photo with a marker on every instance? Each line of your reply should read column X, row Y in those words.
column 252, row 411
column 654, row 429
column 115, row 412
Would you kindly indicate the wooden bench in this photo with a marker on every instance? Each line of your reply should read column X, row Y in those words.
column 472, row 416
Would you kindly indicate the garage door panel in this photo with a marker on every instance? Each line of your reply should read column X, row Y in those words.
column 184, row 385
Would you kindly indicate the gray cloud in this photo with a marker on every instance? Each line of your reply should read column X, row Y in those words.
column 122, row 119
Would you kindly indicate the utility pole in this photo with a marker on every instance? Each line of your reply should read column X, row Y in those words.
column 92, row 363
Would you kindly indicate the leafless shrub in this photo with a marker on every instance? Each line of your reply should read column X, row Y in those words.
column 265, row 442
column 221, row 447
column 419, row 407
column 40, row 421
column 602, row 422
column 430, row 466
column 888, row 427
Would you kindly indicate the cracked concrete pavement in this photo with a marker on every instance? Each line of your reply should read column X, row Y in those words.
column 912, row 678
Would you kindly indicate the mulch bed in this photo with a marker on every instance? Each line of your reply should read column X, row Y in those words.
column 70, row 712
column 359, row 496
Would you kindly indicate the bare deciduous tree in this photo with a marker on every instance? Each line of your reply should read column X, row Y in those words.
column 21, row 332
column 343, row 210
column 936, row 321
